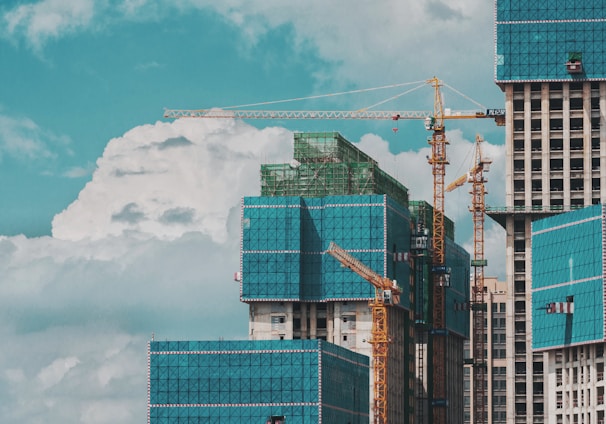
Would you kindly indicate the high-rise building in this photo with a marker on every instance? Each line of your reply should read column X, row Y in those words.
column 551, row 64
column 309, row 316
column 331, row 191
column 495, row 296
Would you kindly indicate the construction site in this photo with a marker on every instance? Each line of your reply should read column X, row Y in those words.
column 300, row 285
column 364, row 309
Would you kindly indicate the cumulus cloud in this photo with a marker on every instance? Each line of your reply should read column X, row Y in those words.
column 148, row 247
column 167, row 179
column 412, row 169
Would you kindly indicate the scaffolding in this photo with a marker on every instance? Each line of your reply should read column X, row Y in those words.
column 247, row 381
column 327, row 164
column 550, row 40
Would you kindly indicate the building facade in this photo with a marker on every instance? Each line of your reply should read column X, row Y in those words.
column 495, row 297
column 568, row 312
column 333, row 192
column 551, row 66
column 234, row 382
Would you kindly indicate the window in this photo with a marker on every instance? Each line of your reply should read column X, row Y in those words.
column 576, row 164
column 576, row 144
column 555, row 104
column 556, row 164
column 555, row 124
column 576, row 123
column 556, row 144
column 576, row 103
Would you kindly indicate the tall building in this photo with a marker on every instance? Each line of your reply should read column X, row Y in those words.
column 331, row 191
column 495, row 384
column 551, row 64
column 568, row 315
column 309, row 317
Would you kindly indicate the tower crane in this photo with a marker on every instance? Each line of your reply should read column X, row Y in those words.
column 434, row 121
column 475, row 176
column 387, row 293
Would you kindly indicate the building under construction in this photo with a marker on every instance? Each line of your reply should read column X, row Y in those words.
column 332, row 191
column 551, row 65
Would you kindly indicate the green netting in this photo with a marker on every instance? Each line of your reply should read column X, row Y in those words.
column 327, row 147
column 423, row 215
column 326, row 164
column 329, row 179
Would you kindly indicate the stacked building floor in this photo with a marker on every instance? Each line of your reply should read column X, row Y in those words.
column 304, row 304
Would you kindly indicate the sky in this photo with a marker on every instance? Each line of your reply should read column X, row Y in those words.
column 117, row 224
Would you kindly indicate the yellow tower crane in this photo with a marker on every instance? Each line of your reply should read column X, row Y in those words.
column 475, row 176
column 434, row 121
column 387, row 293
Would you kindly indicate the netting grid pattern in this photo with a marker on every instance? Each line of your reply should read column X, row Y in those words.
column 534, row 39
column 244, row 381
column 567, row 261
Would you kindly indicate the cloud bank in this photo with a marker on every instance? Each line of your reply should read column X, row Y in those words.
column 149, row 247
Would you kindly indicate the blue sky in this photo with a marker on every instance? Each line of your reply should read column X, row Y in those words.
column 116, row 223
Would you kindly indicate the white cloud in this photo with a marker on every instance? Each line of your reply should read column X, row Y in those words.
column 23, row 139
column 168, row 179
column 48, row 19
column 396, row 41
column 149, row 246
column 54, row 373
column 369, row 45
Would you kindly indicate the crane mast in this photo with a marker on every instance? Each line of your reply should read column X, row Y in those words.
column 475, row 176
column 387, row 293
column 434, row 121
column 439, row 279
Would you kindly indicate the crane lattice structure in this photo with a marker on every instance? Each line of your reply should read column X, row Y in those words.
column 434, row 121
column 387, row 293
column 475, row 176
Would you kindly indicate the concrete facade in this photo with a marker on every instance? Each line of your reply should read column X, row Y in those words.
column 555, row 139
column 496, row 363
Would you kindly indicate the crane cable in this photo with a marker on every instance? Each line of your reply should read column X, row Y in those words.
column 320, row 96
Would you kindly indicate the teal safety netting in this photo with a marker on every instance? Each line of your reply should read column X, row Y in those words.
column 535, row 39
column 284, row 240
column 567, row 260
column 458, row 259
column 245, row 381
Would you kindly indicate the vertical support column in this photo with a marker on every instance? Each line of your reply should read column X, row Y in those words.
column 587, row 150
column 566, row 141
column 313, row 321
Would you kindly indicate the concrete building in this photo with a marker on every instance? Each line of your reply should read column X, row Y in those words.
column 333, row 192
column 309, row 317
column 568, row 315
column 551, row 64
column 496, row 363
